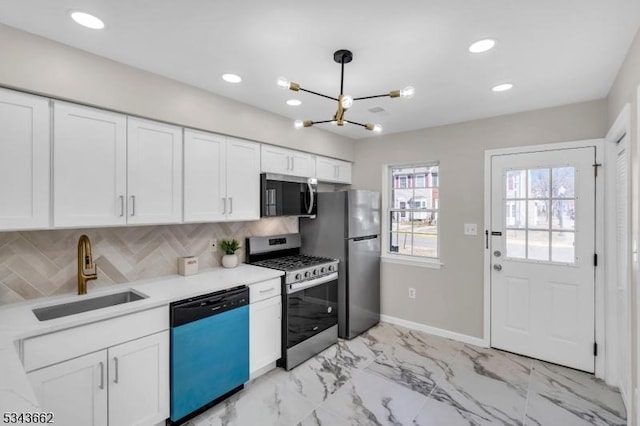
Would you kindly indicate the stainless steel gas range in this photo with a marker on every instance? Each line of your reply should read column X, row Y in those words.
column 310, row 295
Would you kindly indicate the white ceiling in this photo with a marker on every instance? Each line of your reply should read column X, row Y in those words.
column 555, row 52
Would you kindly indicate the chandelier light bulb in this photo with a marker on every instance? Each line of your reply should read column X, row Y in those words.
column 283, row 83
column 407, row 92
column 377, row 128
column 347, row 101
column 298, row 124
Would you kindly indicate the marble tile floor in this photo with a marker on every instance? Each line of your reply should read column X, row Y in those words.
column 391, row 375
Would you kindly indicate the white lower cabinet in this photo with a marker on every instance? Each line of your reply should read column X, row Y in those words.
column 265, row 324
column 127, row 384
column 74, row 391
column 139, row 381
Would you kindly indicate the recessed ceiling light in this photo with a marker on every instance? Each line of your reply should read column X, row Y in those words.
column 87, row 20
column 482, row 45
column 294, row 102
column 231, row 78
column 502, row 87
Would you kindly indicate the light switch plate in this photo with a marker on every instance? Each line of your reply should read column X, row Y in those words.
column 470, row 229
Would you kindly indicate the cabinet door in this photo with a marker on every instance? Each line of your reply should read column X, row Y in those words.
column 139, row 381
column 24, row 161
column 75, row 391
column 326, row 170
column 344, row 171
column 205, row 179
column 330, row 170
column 303, row 164
column 154, row 172
column 243, row 180
column 276, row 160
column 265, row 333
column 89, row 166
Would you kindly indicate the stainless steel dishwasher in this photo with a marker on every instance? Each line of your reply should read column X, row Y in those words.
column 209, row 350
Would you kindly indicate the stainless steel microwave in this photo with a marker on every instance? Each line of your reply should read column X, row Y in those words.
column 282, row 195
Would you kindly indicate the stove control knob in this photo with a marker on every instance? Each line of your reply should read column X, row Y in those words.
column 332, row 268
column 298, row 276
column 323, row 270
column 315, row 272
column 307, row 274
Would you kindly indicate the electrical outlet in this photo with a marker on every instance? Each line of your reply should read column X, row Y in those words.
column 213, row 245
column 412, row 293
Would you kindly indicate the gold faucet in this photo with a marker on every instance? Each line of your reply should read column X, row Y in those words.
column 85, row 264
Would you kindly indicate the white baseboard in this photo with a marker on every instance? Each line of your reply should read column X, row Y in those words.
column 259, row 372
column 436, row 331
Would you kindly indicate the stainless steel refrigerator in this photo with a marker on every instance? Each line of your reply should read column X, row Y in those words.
column 347, row 227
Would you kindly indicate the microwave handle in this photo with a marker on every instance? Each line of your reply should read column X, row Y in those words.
column 310, row 207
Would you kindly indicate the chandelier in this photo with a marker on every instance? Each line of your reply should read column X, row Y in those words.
column 344, row 101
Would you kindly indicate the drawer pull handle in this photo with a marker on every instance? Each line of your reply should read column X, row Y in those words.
column 101, row 375
column 133, row 205
column 267, row 290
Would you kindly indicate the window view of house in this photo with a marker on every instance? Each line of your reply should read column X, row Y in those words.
column 540, row 214
column 413, row 210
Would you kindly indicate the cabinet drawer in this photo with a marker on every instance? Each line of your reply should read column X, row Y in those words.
column 52, row 348
column 264, row 290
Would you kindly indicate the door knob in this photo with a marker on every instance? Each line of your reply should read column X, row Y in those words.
column 497, row 267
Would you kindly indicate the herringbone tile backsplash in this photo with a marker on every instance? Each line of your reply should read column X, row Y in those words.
column 44, row 263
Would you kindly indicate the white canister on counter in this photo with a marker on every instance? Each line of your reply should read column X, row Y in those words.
column 188, row 265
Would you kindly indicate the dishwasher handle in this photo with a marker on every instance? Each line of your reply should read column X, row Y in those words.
column 189, row 310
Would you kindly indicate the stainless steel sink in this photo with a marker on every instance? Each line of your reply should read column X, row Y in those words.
column 71, row 308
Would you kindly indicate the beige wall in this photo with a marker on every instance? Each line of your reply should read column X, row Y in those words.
column 451, row 298
column 42, row 66
column 625, row 90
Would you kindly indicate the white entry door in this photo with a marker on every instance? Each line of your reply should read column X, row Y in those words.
column 542, row 255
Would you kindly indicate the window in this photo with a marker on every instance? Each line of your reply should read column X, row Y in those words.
column 540, row 214
column 412, row 211
column 401, row 181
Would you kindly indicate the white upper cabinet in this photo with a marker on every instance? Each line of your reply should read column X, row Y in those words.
column 330, row 170
column 221, row 178
column 24, row 161
column 205, row 183
column 287, row 162
column 154, row 172
column 89, row 166
column 243, row 180
column 110, row 170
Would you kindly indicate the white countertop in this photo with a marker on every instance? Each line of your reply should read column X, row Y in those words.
column 18, row 322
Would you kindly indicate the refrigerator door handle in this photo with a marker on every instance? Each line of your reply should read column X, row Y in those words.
column 368, row 237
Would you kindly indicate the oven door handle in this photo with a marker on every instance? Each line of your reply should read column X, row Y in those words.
column 294, row 288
